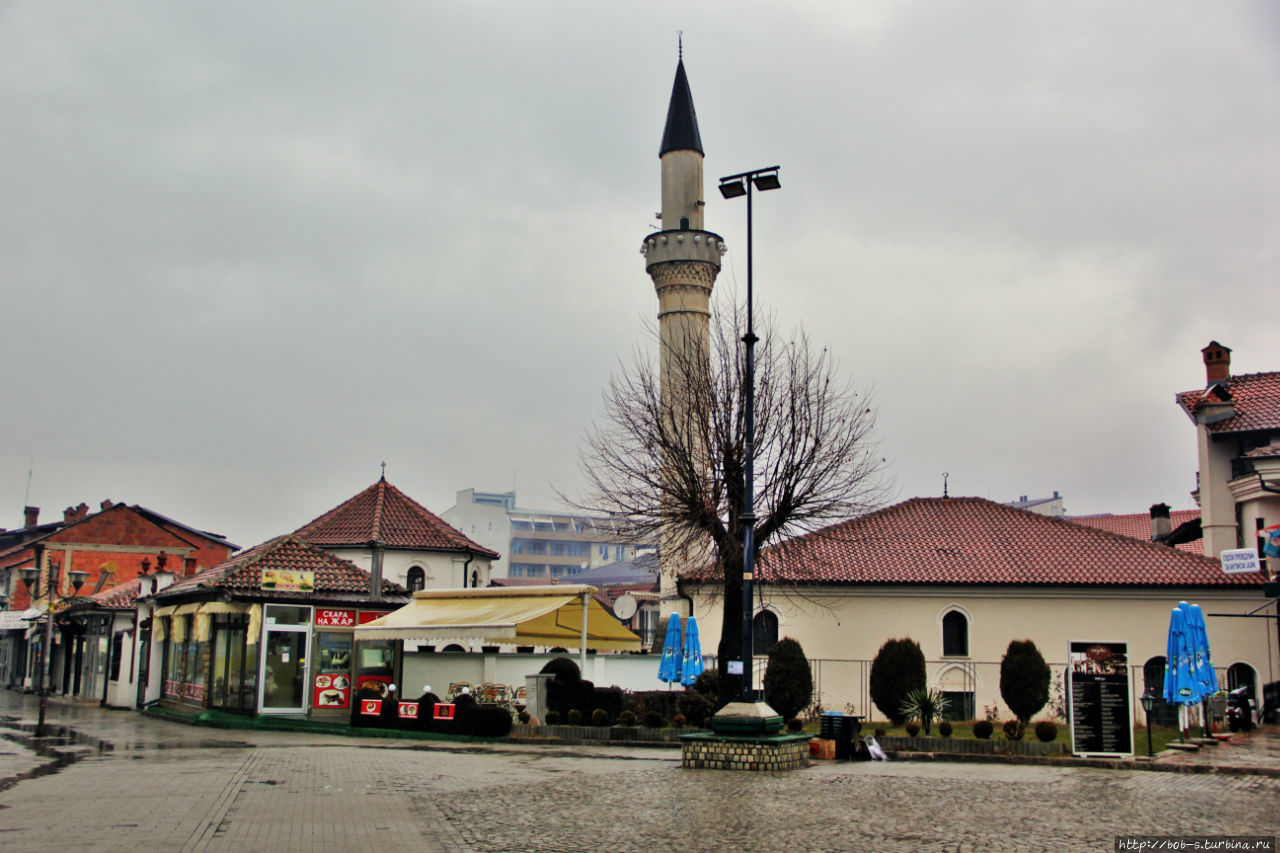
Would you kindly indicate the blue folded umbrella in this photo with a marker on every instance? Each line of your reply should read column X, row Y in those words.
column 672, row 652
column 1200, row 642
column 1180, row 686
column 691, row 668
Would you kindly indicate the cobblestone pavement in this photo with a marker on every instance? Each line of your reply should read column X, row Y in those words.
column 115, row 780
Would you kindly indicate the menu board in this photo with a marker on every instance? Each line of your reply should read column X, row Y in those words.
column 1098, row 692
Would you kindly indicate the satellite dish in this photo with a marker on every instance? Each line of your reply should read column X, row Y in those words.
column 624, row 607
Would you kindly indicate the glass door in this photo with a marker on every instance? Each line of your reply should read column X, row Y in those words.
column 285, row 654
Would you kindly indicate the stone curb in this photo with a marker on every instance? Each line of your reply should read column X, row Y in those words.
column 1098, row 763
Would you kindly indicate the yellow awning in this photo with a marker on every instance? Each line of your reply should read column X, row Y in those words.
column 523, row 615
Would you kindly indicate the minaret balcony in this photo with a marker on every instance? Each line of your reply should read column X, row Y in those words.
column 685, row 245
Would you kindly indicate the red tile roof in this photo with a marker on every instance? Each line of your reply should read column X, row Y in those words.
column 972, row 541
column 384, row 513
column 243, row 572
column 1137, row 525
column 122, row 597
column 1254, row 396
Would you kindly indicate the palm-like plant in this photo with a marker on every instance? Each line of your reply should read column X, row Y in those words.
column 925, row 705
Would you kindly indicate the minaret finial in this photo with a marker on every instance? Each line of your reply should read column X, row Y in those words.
column 945, row 477
column 680, row 45
column 384, row 472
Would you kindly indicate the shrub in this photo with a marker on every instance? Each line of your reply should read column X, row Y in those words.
column 627, row 719
column 788, row 680
column 481, row 720
column 983, row 729
column 1013, row 729
column 678, row 721
column 880, row 731
column 654, row 720
column 524, row 717
column 695, row 707
column 1046, row 731
column 574, row 717
column 708, row 687
column 564, row 669
column 599, row 717
column 944, row 728
column 795, row 724
column 553, row 718
column 1024, row 679
column 925, row 705
column 898, row 669
column 913, row 728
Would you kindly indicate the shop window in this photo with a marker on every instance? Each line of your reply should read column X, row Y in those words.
column 955, row 635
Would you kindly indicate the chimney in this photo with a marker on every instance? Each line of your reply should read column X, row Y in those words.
column 106, row 505
column 31, row 516
column 1217, row 362
column 82, row 511
column 68, row 515
column 1161, row 524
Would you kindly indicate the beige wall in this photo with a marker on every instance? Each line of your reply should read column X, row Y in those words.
column 852, row 624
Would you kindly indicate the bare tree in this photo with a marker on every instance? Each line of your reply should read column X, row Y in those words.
column 667, row 456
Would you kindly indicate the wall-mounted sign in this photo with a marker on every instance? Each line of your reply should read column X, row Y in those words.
column 335, row 618
column 1240, row 561
column 289, row 580
column 408, row 710
column 443, row 711
column 371, row 707
column 1098, row 699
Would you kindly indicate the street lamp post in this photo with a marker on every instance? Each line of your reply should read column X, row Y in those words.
column 734, row 186
column 1148, row 705
column 31, row 579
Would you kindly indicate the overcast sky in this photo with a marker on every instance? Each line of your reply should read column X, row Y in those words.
column 252, row 250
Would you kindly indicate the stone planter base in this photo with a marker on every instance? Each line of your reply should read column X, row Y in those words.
column 762, row 753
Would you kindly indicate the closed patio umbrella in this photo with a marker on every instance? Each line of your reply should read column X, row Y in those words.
column 672, row 652
column 1200, row 645
column 692, row 665
column 1180, row 685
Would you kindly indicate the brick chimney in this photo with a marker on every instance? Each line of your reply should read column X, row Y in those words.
column 1161, row 523
column 1217, row 362
column 106, row 505
column 30, row 516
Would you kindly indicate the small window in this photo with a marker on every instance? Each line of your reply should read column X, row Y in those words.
column 417, row 579
column 955, row 635
column 764, row 633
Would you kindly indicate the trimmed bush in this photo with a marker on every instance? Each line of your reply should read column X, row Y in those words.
column 599, row 717
column 654, row 720
column 795, row 724
column 880, row 731
column 1046, row 731
column 678, row 721
column 983, row 729
column 481, row 720
column 1024, row 679
column 627, row 719
column 788, row 680
column 1013, row 729
column 553, row 718
column 898, row 669
column 523, row 717
column 944, row 728
column 913, row 728
column 564, row 669
column 574, row 717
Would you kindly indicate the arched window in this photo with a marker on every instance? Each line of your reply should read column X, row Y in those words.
column 417, row 579
column 764, row 633
column 1242, row 675
column 955, row 634
column 1163, row 714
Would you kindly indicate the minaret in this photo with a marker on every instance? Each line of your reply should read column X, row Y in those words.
column 683, row 261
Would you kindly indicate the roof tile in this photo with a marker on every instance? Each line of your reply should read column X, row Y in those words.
column 1254, row 396
column 975, row 541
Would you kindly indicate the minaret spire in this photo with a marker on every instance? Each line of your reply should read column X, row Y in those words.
column 683, row 260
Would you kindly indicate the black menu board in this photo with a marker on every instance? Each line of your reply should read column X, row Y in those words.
column 1101, row 711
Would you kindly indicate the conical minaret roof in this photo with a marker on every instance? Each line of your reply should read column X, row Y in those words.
column 681, row 132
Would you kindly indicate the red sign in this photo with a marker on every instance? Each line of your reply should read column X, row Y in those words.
column 331, row 691
column 444, row 711
column 371, row 707
column 408, row 710
column 335, row 618
column 367, row 616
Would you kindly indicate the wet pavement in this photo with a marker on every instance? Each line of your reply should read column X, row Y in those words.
column 116, row 780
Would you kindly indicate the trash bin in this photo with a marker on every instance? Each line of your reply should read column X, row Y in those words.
column 850, row 731
column 829, row 727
